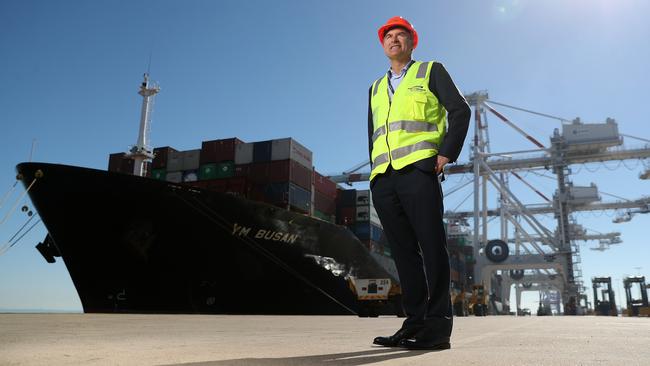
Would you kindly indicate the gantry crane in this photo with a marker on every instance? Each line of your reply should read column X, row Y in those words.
column 538, row 250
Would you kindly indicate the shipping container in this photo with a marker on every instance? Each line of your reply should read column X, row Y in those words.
column 363, row 197
column 242, row 170
column 324, row 185
column 238, row 186
column 190, row 175
column 191, row 159
column 324, row 203
column 323, row 216
column 159, row 174
column 346, row 198
column 161, row 156
column 262, row 151
column 208, row 171
column 174, row 161
column 591, row 132
column 244, row 153
column 225, row 169
column 362, row 214
column 120, row 163
column 281, row 171
column 345, row 215
column 290, row 149
column 216, row 151
column 174, row 177
column 288, row 194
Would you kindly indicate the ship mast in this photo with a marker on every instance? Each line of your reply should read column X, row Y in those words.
column 141, row 152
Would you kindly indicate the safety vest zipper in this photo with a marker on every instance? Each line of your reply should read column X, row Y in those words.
column 390, row 103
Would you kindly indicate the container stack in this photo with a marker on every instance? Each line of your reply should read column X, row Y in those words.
column 324, row 198
column 159, row 163
column 280, row 173
column 121, row 163
column 356, row 211
column 217, row 167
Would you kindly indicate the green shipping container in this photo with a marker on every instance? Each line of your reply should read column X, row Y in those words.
column 323, row 216
column 208, row 171
column 225, row 169
column 159, row 174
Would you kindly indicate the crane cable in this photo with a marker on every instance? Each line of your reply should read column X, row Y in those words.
column 11, row 211
column 529, row 111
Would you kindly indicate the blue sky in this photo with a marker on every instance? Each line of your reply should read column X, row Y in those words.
column 69, row 74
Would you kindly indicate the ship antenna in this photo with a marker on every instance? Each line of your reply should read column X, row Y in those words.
column 31, row 152
column 141, row 151
column 149, row 64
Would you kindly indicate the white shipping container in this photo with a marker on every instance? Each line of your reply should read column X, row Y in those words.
column 584, row 193
column 577, row 133
column 174, row 177
column 244, row 153
column 191, row 159
column 367, row 213
column 363, row 197
column 288, row 148
column 175, row 161
column 190, row 176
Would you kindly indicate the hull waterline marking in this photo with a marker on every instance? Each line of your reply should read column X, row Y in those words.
column 239, row 230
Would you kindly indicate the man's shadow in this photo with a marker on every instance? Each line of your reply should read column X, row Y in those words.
column 348, row 359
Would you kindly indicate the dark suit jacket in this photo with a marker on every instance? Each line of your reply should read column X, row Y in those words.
column 458, row 115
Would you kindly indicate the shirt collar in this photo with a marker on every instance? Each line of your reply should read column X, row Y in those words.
column 402, row 72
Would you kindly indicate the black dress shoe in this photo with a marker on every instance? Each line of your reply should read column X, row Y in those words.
column 427, row 340
column 393, row 341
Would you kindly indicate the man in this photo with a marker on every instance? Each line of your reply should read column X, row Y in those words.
column 409, row 146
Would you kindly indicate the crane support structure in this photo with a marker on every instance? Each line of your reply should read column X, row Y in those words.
column 552, row 257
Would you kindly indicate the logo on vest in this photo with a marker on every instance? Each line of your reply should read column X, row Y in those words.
column 417, row 89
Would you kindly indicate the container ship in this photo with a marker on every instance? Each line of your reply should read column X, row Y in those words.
column 227, row 228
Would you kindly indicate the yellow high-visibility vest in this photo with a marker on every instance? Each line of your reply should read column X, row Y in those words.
column 411, row 126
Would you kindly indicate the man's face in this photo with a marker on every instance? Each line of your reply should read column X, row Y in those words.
column 398, row 43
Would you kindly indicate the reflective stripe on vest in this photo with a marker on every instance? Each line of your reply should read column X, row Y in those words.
column 403, row 151
column 408, row 126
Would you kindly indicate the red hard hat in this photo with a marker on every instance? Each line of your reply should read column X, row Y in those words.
column 397, row 22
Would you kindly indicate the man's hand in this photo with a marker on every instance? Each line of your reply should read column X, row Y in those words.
column 440, row 163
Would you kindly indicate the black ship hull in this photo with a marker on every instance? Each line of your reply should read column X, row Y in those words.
column 139, row 245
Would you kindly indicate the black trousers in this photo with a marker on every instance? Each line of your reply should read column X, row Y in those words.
column 409, row 204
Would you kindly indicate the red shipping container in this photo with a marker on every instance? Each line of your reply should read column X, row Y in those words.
column 115, row 162
column 242, row 170
column 324, row 203
column 216, row 151
column 120, row 163
column 280, row 171
column 238, row 186
column 161, row 156
column 324, row 185
column 346, row 215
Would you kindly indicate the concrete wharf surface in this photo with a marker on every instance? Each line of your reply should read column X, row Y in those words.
column 107, row 339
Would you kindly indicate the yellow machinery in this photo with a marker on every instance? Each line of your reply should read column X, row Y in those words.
column 459, row 302
column 478, row 302
column 636, row 306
